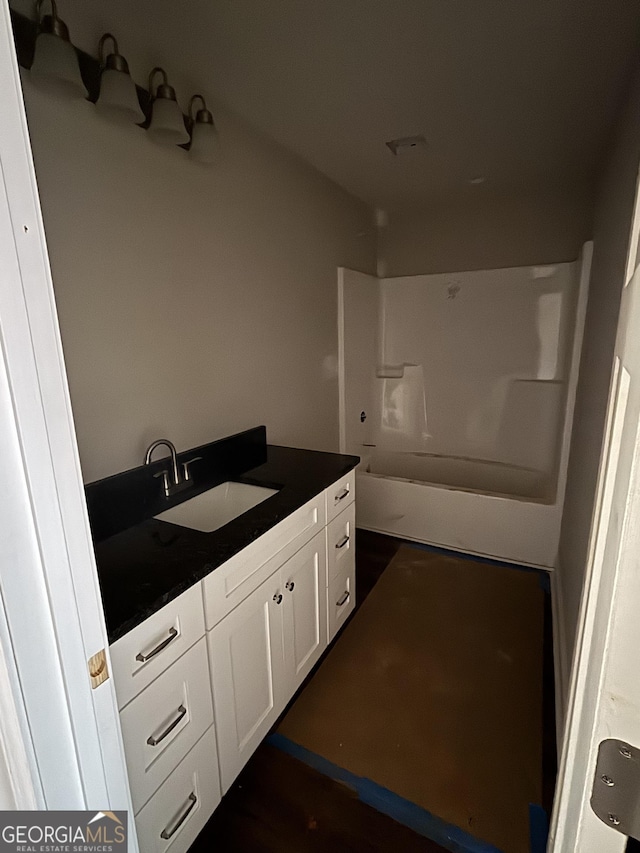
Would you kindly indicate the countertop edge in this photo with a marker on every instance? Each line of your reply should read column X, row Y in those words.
column 338, row 465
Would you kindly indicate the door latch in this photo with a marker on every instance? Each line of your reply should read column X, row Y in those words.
column 615, row 796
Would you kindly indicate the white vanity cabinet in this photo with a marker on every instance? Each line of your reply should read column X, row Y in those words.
column 303, row 578
column 341, row 569
column 246, row 657
column 201, row 682
column 340, row 495
column 144, row 653
column 261, row 652
column 161, row 674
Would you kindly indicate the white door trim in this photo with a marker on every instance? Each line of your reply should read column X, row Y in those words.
column 19, row 785
column 604, row 696
column 48, row 577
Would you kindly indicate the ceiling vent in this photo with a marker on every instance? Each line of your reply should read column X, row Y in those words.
column 406, row 144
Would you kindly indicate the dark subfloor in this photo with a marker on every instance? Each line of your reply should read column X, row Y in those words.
column 278, row 804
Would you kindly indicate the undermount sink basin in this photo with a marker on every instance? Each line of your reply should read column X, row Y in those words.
column 216, row 507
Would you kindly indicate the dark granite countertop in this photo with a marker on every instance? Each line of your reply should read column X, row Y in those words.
column 147, row 562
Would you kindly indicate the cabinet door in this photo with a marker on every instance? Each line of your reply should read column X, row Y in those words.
column 232, row 582
column 247, row 672
column 305, row 617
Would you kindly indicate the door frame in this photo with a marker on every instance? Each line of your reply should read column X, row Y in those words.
column 601, row 702
column 51, row 615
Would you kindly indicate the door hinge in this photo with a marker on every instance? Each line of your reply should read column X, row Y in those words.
column 98, row 669
column 615, row 796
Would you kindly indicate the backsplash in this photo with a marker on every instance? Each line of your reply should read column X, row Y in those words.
column 127, row 498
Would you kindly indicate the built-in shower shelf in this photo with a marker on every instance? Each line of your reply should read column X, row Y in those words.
column 392, row 371
column 541, row 381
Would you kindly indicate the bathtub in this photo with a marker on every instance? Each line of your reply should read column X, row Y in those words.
column 491, row 509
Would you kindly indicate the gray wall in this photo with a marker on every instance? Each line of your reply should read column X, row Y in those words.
column 614, row 207
column 486, row 230
column 193, row 302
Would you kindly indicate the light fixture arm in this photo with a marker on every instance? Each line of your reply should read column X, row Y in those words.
column 52, row 23
column 101, row 51
column 191, row 102
column 113, row 61
column 203, row 116
column 163, row 86
column 54, row 9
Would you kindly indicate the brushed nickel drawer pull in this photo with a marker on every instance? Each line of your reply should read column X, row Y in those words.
column 342, row 542
column 344, row 598
column 343, row 494
column 173, row 633
column 167, row 833
column 154, row 741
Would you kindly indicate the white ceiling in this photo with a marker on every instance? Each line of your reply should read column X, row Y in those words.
column 522, row 92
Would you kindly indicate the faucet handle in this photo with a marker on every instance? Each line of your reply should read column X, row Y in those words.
column 165, row 481
column 185, row 465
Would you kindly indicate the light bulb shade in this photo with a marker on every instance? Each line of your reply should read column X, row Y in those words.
column 118, row 99
column 204, row 142
column 55, row 67
column 167, row 124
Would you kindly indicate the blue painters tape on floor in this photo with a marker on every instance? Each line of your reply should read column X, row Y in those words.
column 538, row 828
column 473, row 558
column 544, row 577
column 416, row 818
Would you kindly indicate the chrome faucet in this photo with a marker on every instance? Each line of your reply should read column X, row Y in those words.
column 173, row 482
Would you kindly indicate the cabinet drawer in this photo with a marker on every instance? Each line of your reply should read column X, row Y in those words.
column 184, row 803
column 340, row 494
column 341, row 542
column 163, row 722
column 232, row 582
column 140, row 656
column 341, row 599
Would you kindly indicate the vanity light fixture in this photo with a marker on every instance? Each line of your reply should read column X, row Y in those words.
column 167, row 123
column 118, row 97
column 55, row 62
column 204, row 135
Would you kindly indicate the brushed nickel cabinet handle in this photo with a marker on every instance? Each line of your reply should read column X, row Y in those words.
column 342, row 542
column 340, row 497
column 290, row 585
column 343, row 598
column 167, row 833
column 143, row 658
column 278, row 598
column 154, row 741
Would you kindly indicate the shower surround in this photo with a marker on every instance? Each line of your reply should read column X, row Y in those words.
column 457, row 391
